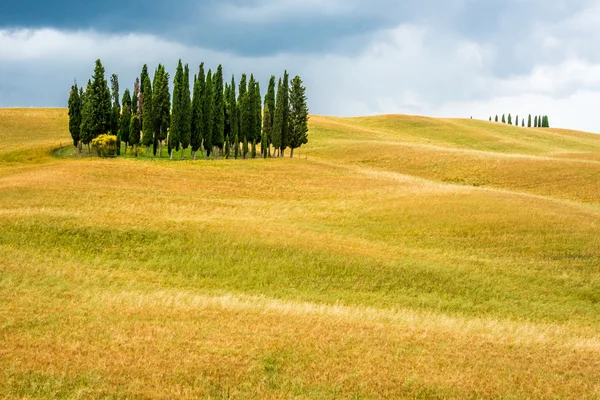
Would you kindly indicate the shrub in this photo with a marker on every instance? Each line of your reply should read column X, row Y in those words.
column 105, row 145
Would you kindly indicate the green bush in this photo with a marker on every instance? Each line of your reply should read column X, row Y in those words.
column 105, row 145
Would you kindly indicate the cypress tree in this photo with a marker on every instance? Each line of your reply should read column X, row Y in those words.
column 547, row 122
column 267, row 120
column 125, row 119
column 496, row 117
column 529, row 121
column 135, row 96
column 147, row 116
column 143, row 76
column 218, row 110
column 257, row 114
column 540, row 121
column 176, row 114
column 535, row 123
column 247, row 124
column 227, row 121
column 116, row 110
column 298, row 131
column 75, row 115
column 278, row 119
column 523, row 123
column 234, row 119
column 186, row 123
column 134, row 132
column 509, row 119
column 101, row 104
column 227, row 116
column 161, row 103
column 208, row 115
column 270, row 111
column 241, row 112
column 286, row 112
column 196, row 128
column 517, row 121
column 490, row 119
column 86, row 132
column 503, row 119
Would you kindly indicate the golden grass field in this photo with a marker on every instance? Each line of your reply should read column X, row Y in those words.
column 395, row 257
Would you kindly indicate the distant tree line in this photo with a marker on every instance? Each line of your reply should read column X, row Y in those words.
column 540, row 121
column 216, row 118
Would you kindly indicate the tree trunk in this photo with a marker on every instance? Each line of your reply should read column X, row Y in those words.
column 194, row 154
column 171, row 155
column 79, row 146
column 282, row 153
column 147, row 152
column 292, row 153
column 125, row 152
column 160, row 153
column 182, row 154
column 215, row 152
column 135, row 150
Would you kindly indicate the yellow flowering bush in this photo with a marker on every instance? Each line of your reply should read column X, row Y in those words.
column 105, row 145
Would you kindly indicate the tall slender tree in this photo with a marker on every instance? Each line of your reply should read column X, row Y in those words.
column 86, row 132
column 186, row 124
column 134, row 132
column 270, row 112
column 278, row 120
column 227, row 121
column 286, row 112
column 143, row 76
column 147, row 121
column 208, row 115
column 496, row 117
column 529, row 121
column 267, row 128
column 161, row 103
column 135, row 96
column 125, row 119
column 116, row 110
column 101, row 104
column 535, row 122
column 503, row 119
column 510, row 119
column 218, row 111
column 247, row 115
column 257, row 106
column 243, row 88
column 196, row 127
column 298, row 126
column 523, row 125
column 177, row 112
column 75, row 115
column 234, row 119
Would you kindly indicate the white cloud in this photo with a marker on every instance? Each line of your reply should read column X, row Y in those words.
column 408, row 69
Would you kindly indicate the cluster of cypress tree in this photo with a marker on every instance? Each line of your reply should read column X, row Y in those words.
column 211, row 118
column 541, row 121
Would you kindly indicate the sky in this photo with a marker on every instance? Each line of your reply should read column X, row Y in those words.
column 443, row 58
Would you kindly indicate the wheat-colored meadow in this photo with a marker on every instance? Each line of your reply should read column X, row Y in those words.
column 395, row 257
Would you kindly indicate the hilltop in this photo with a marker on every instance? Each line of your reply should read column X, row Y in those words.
column 394, row 256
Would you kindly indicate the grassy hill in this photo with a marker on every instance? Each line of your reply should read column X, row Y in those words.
column 394, row 257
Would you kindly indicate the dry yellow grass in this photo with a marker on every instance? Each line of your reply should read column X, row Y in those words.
column 361, row 271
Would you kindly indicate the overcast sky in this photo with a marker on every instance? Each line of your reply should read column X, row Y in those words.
column 456, row 58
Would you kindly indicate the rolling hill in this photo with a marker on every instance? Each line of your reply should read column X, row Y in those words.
column 395, row 256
